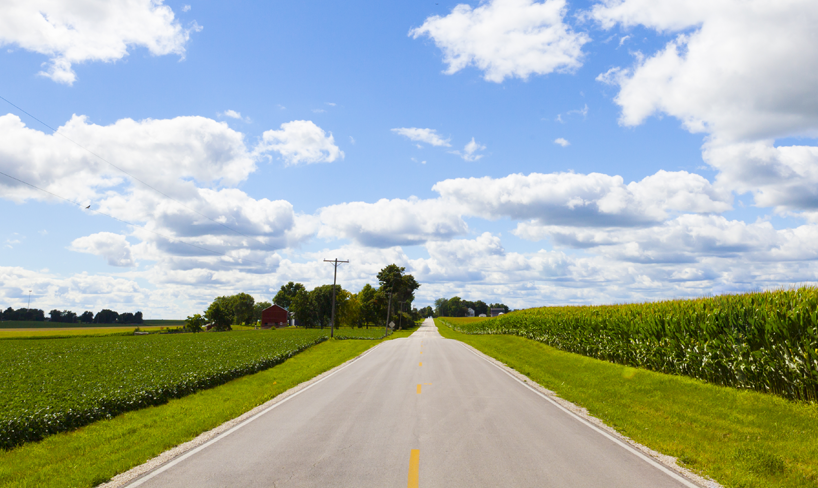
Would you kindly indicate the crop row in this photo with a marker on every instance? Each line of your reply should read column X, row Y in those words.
column 51, row 386
column 765, row 341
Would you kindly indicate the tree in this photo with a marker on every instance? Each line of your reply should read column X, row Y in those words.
column 393, row 279
column 426, row 311
column 194, row 323
column 285, row 295
column 106, row 316
column 258, row 308
column 219, row 316
column 322, row 301
column 56, row 315
column 480, row 307
column 304, row 308
column 87, row 317
column 242, row 308
column 350, row 314
column 368, row 303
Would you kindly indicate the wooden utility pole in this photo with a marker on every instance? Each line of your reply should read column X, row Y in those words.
column 335, row 263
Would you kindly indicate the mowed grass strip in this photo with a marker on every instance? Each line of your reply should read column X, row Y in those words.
column 95, row 453
column 739, row 438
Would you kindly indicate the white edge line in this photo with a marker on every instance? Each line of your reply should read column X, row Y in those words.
column 636, row 452
column 186, row 455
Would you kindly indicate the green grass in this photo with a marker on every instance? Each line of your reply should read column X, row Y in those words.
column 739, row 438
column 95, row 453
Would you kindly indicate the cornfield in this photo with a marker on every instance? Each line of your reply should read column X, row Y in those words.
column 764, row 341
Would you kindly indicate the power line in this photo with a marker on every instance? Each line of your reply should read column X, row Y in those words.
column 172, row 239
column 120, row 169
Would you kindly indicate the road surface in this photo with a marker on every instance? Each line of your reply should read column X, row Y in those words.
column 422, row 411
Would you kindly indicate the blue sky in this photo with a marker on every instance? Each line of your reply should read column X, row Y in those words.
column 527, row 152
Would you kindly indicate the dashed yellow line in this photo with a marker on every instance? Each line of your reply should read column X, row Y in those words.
column 418, row 389
column 414, row 466
column 420, row 364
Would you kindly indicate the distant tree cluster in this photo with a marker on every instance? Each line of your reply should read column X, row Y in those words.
column 457, row 307
column 366, row 308
column 313, row 308
column 104, row 316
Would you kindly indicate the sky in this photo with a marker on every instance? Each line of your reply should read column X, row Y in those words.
column 157, row 154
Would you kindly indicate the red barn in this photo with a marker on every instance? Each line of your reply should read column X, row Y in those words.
column 274, row 316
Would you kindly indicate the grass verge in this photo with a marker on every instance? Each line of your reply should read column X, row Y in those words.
column 95, row 453
column 738, row 438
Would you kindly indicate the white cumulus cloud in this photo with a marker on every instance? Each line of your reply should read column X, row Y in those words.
column 91, row 30
column 562, row 142
column 301, row 142
column 113, row 247
column 506, row 38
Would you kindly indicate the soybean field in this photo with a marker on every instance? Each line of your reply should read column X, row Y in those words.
column 765, row 341
column 54, row 385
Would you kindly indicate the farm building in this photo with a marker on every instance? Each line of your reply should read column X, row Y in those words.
column 469, row 312
column 497, row 311
column 274, row 316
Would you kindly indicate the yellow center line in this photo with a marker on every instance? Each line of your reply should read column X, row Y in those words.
column 420, row 364
column 414, row 467
column 418, row 389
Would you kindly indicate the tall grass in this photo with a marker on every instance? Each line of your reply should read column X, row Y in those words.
column 765, row 341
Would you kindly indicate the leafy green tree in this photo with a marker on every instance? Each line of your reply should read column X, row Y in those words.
column 304, row 308
column 426, row 311
column 106, row 316
column 480, row 307
column 322, row 301
column 87, row 317
column 369, row 304
column 285, row 295
column 393, row 279
column 219, row 316
column 242, row 308
column 258, row 308
column 195, row 323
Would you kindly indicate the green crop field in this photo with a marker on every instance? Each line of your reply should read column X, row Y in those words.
column 766, row 341
column 56, row 385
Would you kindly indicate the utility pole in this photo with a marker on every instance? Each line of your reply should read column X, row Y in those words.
column 29, row 300
column 335, row 263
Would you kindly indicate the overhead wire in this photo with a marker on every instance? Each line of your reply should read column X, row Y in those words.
column 169, row 238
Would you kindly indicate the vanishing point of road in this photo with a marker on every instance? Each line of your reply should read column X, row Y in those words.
column 423, row 411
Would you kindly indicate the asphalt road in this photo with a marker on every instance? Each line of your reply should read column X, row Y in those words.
column 422, row 411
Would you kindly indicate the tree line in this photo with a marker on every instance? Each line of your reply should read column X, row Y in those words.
column 457, row 307
column 104, row 316
column 313, row 308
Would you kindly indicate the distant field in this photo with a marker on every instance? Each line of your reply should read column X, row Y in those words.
column 165, row 322
column 26, row 324
column 71, row 332
column 51, row 386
